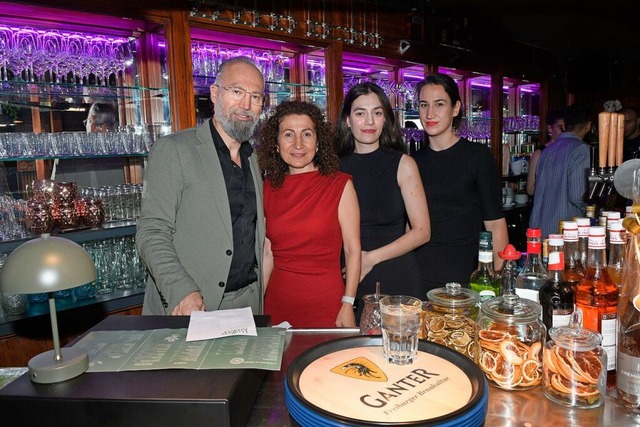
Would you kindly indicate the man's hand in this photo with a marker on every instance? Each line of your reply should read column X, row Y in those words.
column 192, row 302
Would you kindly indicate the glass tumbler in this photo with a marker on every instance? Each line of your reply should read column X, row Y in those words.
column 370, row 318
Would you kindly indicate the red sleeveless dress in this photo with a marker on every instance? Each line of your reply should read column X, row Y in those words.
column 306, row 286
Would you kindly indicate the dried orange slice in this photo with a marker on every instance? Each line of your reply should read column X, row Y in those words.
column 531, row 370
column 588, row 366
column 511, row 353
column 487, row 362
column 436, row 324
column 492, row 335
column 561, row 384
column 563, row 363
column 636, row 302
column 549, row 360
column 534, row 351
column 460, row 338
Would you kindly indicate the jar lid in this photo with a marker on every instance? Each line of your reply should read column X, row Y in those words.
column 453, row 295
column 575, row 338
column 512, row 308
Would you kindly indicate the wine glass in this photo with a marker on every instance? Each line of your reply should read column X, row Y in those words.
column 6, row 45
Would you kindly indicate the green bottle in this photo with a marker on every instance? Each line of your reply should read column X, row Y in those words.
column 484, row 280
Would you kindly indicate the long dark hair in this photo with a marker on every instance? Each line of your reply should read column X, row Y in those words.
column 391, row 135
column 450, row 87
column 269, row 159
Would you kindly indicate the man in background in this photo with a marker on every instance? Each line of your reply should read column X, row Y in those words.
column 631, row 148
column 561, row 174
column 102, row 117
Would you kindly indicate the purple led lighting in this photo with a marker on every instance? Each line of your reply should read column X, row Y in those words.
column 361, row 70
column 478, row 84
column 413, row 76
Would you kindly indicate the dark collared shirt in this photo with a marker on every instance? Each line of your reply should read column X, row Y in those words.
column 242, row 201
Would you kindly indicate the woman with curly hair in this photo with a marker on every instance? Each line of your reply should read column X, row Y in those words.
column 394, row 215
column 311, row 212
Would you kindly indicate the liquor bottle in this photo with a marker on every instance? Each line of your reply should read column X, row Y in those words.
column 483, row 280
column 509, row 269
column 556, row 295
column 597, row 295
column 591, row 214
column 545, row 252
column 573, row 266
column 628, row 364
column 616, row 252
column 583, row 237
column 533, row 274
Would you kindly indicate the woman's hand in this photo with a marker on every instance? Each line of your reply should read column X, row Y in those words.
column 346, row 317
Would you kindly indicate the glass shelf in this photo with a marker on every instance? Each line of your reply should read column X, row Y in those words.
column 94, row 156
column 108, row 230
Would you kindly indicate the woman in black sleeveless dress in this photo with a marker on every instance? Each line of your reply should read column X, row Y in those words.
column 394, row 217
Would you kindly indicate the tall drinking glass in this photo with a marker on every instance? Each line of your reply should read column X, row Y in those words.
column 400, row 326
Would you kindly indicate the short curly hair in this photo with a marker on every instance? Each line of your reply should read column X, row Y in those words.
column 270, row 161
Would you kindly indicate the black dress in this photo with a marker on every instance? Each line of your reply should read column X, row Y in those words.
column 383, row 219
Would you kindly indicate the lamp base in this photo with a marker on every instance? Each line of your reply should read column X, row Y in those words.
column 45, row 369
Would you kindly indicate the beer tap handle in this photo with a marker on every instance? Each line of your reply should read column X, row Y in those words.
column 620, row 139
column 604, row 123
column 613, row 140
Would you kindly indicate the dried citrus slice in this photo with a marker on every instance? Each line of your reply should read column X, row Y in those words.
column 549, row 360
column 531, row 370
column 487, row 361
column 438, row 340
column 510, row 352
column 436, row 324
column 563, row 363
column 460, row 338
column 561, row 384
column 636, row 302
column 588, row 366
column 534, row 351
column 492, row 335
column 472, row 350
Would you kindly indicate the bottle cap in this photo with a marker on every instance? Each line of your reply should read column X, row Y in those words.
column 583, row 222
column 556, row 240
column 510, row 253
column 534, row 232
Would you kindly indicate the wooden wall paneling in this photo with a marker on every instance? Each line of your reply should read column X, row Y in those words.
column 334, row 80
column 178, row 42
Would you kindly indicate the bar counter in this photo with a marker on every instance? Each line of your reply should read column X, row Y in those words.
column 518, row 408
column 191, row 397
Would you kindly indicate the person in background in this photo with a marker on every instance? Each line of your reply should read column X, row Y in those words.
column 631, row 147
column 201, row 229
column 555, row 126
column 561, row 174
column 311, row 212
column 394, row 218
column 102, row 117
column 462, row 185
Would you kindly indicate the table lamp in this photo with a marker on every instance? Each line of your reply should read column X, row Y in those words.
column 49, row 264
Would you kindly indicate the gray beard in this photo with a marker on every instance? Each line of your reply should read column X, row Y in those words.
column 240, row 131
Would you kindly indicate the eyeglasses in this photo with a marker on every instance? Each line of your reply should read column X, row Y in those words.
column 236, row 94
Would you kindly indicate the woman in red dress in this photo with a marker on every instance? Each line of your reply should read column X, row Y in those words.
column 311, row 212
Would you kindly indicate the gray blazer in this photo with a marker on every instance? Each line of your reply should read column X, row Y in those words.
column 184, row 233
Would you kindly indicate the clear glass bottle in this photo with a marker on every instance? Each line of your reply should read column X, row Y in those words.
column 556, row 295
column 615, row 265
column 591, row 214
column 483, row 280
column 583, row 238
column 533, row 274
column 573, row 266
column 510, row 342
column 628, row 363
column 574, row 368
column 509, row 269
column 597, row 295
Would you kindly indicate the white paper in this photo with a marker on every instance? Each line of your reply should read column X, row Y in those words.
column 205, row 325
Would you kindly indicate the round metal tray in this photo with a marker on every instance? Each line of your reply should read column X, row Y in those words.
column 305, row 413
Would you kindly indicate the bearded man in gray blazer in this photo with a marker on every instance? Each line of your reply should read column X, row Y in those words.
column 201, row 228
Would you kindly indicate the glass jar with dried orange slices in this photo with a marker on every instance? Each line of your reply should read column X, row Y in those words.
column 449, row 318
column 510, row 341
column 574, row 367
